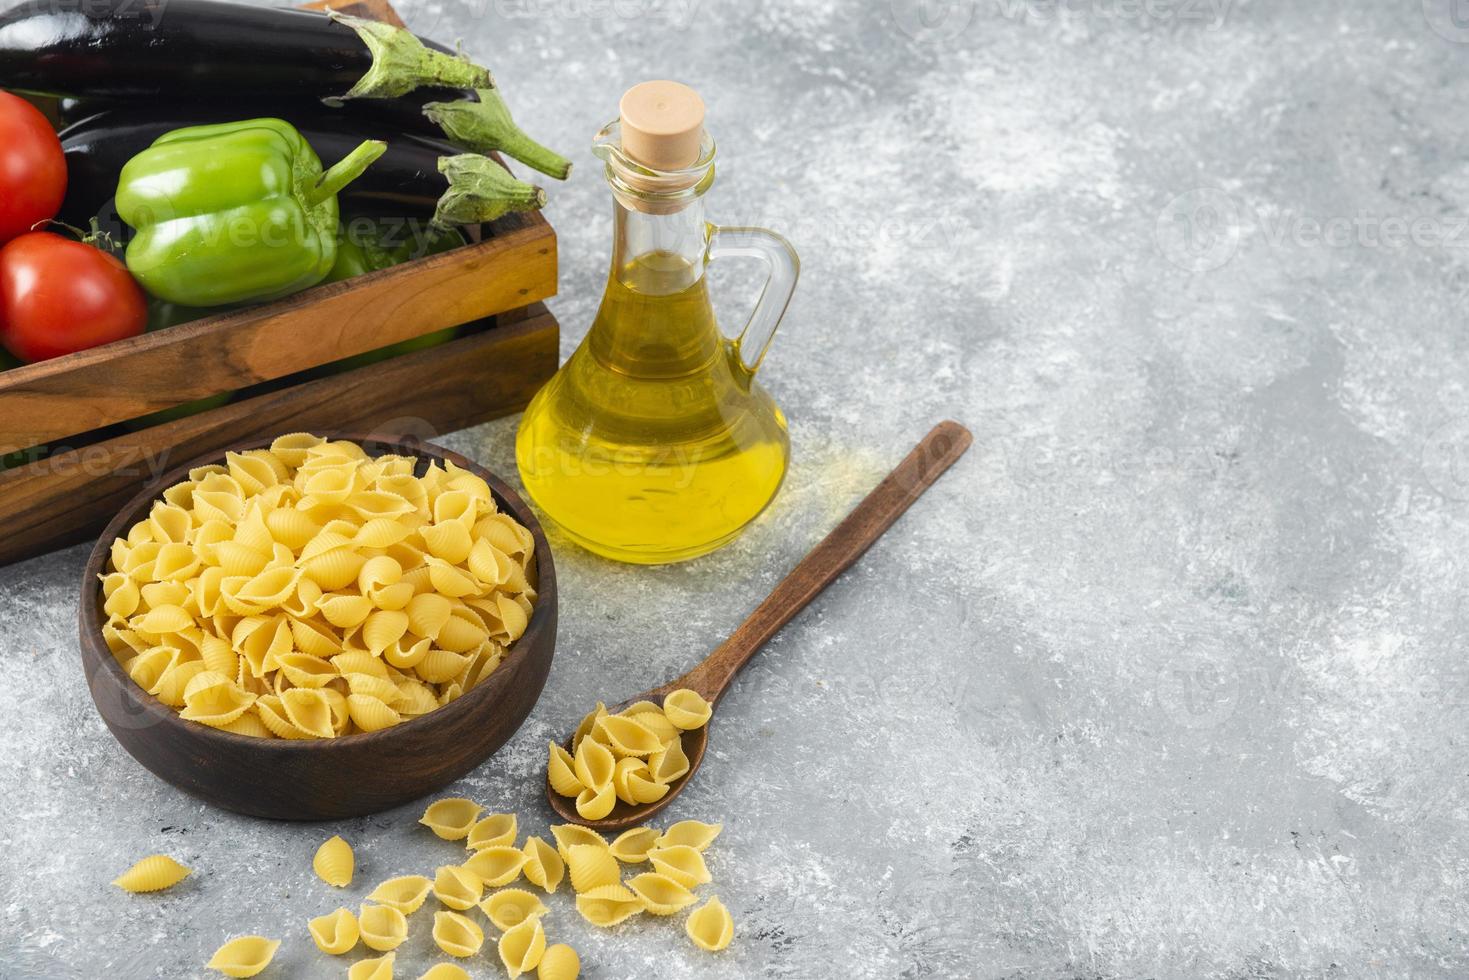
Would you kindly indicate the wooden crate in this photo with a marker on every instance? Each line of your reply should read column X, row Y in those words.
column 271, row 354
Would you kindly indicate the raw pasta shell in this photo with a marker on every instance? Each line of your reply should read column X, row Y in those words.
column 607, row 906
column 451, row 818
column 152, row 874
column 569, row 835
column 244, row 957
column 440, row 666
column 315, row 640
column 660, row 894
column 370, row 714
column 626, row 737
column 493, row 831
column 334, row 569
column 445, row 971
column 655, row 721
column 162, row 620
column 359, row 662
column 383, row 927
column 632, row 846
column 686, row 709
column 682, row 863
column 559, row 962
column 238, row 558
column 690, row 833
column 460, row 635
column 509, row 908
column 405, row 893
column 594, row 804
column 710, row 926
column 336, row 932
column 559, row 771
column 626, row 769
column 593, row 764
column 427, row 614
column 497, row 866
column 591, row 867
column 310, row 711
column 458, row 935
column 543, row 864
column 459, row 888
column 584, row 727
column 334, row 862
column 249, row 724
column 522, row 946
column 304, row 669
column 449, row 540
column 670, row 764
column 380, row 968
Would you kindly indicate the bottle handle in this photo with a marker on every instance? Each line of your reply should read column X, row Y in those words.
column 775, row 296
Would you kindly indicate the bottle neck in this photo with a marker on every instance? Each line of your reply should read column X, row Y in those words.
column 659, row 254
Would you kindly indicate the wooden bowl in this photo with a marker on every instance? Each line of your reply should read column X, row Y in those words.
column 322, row 779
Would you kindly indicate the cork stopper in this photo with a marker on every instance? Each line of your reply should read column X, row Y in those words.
column 662, row 125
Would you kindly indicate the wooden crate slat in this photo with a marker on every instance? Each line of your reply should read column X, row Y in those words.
column 70, row 496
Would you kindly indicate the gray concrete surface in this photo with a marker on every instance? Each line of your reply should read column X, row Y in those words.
column 1165, row 680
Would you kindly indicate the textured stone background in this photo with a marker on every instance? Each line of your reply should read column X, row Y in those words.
column 1165, row 679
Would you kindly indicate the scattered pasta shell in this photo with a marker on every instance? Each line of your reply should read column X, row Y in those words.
column 594, row 804
column 244, row 957
column 445, row 971
column 559, row 772
column 376, row 969
column 686, row 709
column 152, row 874
column 335, row 933
column 632, row 846
column 497, row 866
column 559, row 962
column 682, row 863
column 710, row 926
column 568, row 835
column 593, row 764
column 459, row 888
column 334, row 862
column 607, row 906
column 457, row 935
column 690, row 833
column 382, row 927
column 452, row 818
column 628, row 738
column 406, row 893
column 509, row 908
column 493, row 831
column 591, row 867
column 661, row 895
column 543, row 865
column 522, row 946
column 669, row 764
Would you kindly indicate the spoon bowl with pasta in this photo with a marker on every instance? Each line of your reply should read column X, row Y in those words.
column 676, row 706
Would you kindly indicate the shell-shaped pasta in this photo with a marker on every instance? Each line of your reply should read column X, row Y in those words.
column 669, row 764
column 245, row 956
column 372, row 504
column 382, row 629
column 122, row 595
column 152, row 874
column 497, row 866
column 559, row 962
column 661, row 895
column 543, row 864
column 493, row 831
column 710, row 926
column 445, row 971
column 162, row 620
column 309, row 710
column 168, row 522
column 334, row 862
column 380, row 968
column 449, row 580
column 449, row 540
column 291, row 449
column 405, row 893
column 632, row 846
column 460, row 634
column 235, row 558
column 315, row 639
column 370, row 714
column 452, row 818
column 381, row 532
column 488, row 563
column 559, row 771
column 345, row 611
column 457, row 935
column 273, row 716
column 569, row 835
column 393, row 597
column 377, row 572
column 441, row 666
column 291, row 527
column 382, row 926
column 591, row 866
column 594, row 804
column 690, row 833
column 359, row 662
column 406, row 652
column 608, row 905
column 175, row 680
column 521, row 947
column 264, row 591
column 217, row 655
column 249, row 724
column 459, row 888
column 509, row 908
column 626, row 737
column 214, row 699
column 304, row 670
column 175, row 563
column 682, row 863
column 656, row 722
column 593, row 764
column 373, row 686
column 334, row 569
column 686, row 709
column 427, row 614
column 336, row 932
column 414, row 698
column 513, row 620
column 585, row 726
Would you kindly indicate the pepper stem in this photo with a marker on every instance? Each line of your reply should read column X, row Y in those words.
column 486, row 125
column 344, row 171
column 481, row 190
column 401, row 63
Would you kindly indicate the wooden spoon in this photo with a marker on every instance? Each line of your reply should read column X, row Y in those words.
column 834, row 555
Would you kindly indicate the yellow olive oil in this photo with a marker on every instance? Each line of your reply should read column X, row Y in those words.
column 653, row 443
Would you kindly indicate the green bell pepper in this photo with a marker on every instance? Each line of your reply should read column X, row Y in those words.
column 233, row 212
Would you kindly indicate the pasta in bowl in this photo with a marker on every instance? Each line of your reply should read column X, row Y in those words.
column 313, row 628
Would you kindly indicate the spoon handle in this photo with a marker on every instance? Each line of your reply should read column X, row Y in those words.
column 944, row 444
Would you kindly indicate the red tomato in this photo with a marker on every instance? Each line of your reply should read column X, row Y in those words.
column 32, row 167
column 58, row 295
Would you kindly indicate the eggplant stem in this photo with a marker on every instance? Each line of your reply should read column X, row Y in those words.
column 481, row 190
column 486, row 125
column 401, row 63
column 345, row 170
